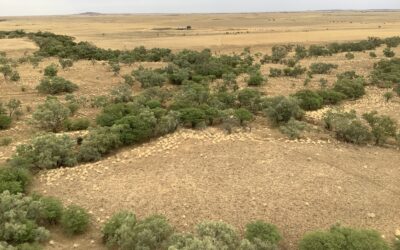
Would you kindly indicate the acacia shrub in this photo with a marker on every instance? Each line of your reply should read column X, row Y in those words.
column 51, row 70
column 351, row 88
column 149, row 78
column 382, row 126
column 13, row 179
column 51, row 115
column 74, row 220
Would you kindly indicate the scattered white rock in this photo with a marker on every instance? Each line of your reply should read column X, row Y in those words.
column 371, row 215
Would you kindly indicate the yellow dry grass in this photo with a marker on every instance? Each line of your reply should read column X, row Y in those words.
column 222, row 32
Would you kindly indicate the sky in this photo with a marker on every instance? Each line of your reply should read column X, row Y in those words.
column 60, row 7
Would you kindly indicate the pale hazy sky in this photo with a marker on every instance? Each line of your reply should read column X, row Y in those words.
column 55, row 7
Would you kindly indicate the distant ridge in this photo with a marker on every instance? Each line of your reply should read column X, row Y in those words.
column 90, row 14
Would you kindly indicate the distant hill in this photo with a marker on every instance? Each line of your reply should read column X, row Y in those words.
column 90, row 14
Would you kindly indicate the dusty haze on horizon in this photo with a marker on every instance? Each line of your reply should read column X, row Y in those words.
column 60, row 7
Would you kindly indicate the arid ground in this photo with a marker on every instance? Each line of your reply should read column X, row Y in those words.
column 192, row 176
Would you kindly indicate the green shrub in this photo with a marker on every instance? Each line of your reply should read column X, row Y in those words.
column 388, row 96
column 15, row 77
column 5, row 122
column 322, row 68
column 18, row 220
column 249, row 99
column 317, row 50
column 134, row 129
column 99, row 142
column 338, row 238
column 388, row 52
column 13, row 106
column 223, row 236
column 382, row 126
column 372, row 54
column 347, row 127
column 309, row 100
column 149, row 78
column 51, row 210
column 274, row 72
column 48, row 151
column 349, row 56
column 51, row 70
column 51, row 115
column 125, row 232
column 351, row 75
column 115, row 67
column 77, row 124
column 5, row 141
column 292, row 128
column 192, row 116
column 331, row 96
column 13, row 179
column 281, row 109
column 262, row 231
column 301, row 52
column 255, row 78
column 121, row 93
column 243, row 115
column 56, row 85
column 386, row 71
column 352, row 89
column 295, row 71
column 128, row 80
column 74, row 220
column 65, row 63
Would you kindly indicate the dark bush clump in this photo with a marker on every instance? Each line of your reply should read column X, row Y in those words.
column 309, row 100
column 382, row 126
column 74, row 220
column 322, row 68
column 14, row 179
column 255, row 78
column 372, row 54
column 149, row 78
column 281, row 109
column 347, row 127
column 261, row 231
column 294, row 71
column 51, row 70
column 5, row 122
column 274, row 72
column 125, row 232
column 349, row 56
column 331, row 96
column 352, row 89
column 56, row 85
column 388, row 52
column 339, row 238
column 77, row 124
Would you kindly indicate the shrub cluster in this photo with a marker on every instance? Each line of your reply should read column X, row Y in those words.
column 322, row 68
column 339, row 237
column 125, row 231
column 56, row 85
column 149, row 78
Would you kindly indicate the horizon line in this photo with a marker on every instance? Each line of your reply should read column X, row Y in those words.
column 194, row 13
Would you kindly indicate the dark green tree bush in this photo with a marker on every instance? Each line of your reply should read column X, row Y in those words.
column 56, row 85
column 281, row 109
column 372, row 54
column 301, row 52
column 65, row 63
column 51, row 70
column 331, row 96
column 243, row 115
column 275, row 72
column 292, row 128
column 192, row 116
column 261, row 231
column 15, row 180
column 309, row 100
column 74, row 220
column 322, row 68
column 339, row 238
column 347, row 127
column 124, row 231
column 382, row 126
column 388, row 52
column 48, row 151
column 295, row 71
column 349, row 56
column 19, row 220
column 5, row 122
column 149, row 78
column 76, row 124
column 256, row 78
column 51, row 115
column 352, row 89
